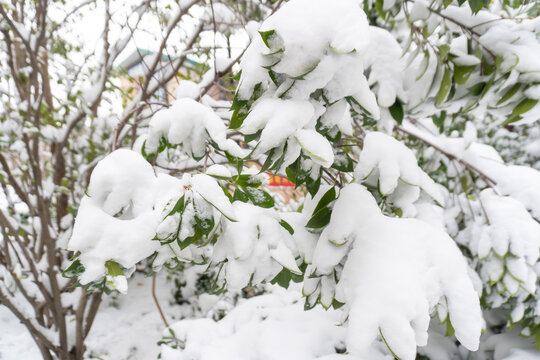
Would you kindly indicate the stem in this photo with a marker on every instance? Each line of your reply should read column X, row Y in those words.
column 157, row 302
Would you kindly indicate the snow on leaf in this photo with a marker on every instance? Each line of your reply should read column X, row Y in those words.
column 256, row 247
column 316, row 146
column 389, row 163
column 395, row 271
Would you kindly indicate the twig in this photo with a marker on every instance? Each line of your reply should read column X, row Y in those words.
column 157, row 302
column 488, row 180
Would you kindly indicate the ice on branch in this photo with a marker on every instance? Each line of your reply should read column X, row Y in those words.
column 395, row 271
column 387, row 163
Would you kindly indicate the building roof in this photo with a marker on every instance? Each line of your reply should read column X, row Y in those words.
column 138, row 55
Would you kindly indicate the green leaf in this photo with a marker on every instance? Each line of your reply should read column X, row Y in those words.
column 425, row 60
column 287, row 226
column 379, row 7
column 320, row 218
column 246, row 180
column 283, row 278
column 277, row 165
column 337, row 304
column 251, row 137
column 259, row 197
column 444, row 49
column 396, row 110
column 268, row 162
column 449, row 328
column 388, row 346
column 537, row 338
column 309, row 70
column 237, row 118
column 178, row 207
column 475, row 5
column 439, row 120
column 477, row 89
column 240, row 196
column 192, row 239
column 509, row 93
column 446, row 84
column 337, row 51
column 74, row 270
column 265, row 35
column 499, row 62
column 524, row 106
column 113, row 269
column 326, row 199
column 144, row 154
column 343, row 162
column 206, row 224
column 462, row 73
column 313, row 185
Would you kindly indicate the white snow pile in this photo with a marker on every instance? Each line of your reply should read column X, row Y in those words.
column 508, row 248
column 256, row 247
column 129, row 211
column 190, row 124
column 520, row 182
column 289, row 85
column 395, row 272
column 515, row 42
column 283, row 122
column 272, row 326
column 386, row 66
column 331, row 60
column 387, row 163
column 116, row 220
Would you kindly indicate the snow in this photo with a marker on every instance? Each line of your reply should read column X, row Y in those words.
column 127, row 206
column 507, row 248
column 386, row 66
column 316, row 146
column 272, row 326
column 394, row 256
column 187, row 89
column 520, row 182
column 331, row 60
column 219, row 171
column 388, row 163
column 191, row 124
column 256, row 247
column 122, row 183
column 278, row 119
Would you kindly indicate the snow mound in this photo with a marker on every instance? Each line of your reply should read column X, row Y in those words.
column 395, row 271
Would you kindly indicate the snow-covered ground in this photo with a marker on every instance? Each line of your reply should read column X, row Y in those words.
column 273, row 326
column 126, row 327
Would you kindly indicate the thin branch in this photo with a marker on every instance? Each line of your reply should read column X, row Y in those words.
column 488, row 180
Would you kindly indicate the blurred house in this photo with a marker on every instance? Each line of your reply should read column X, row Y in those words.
column 137, row 65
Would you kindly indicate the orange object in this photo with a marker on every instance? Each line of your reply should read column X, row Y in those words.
column 276, row 180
